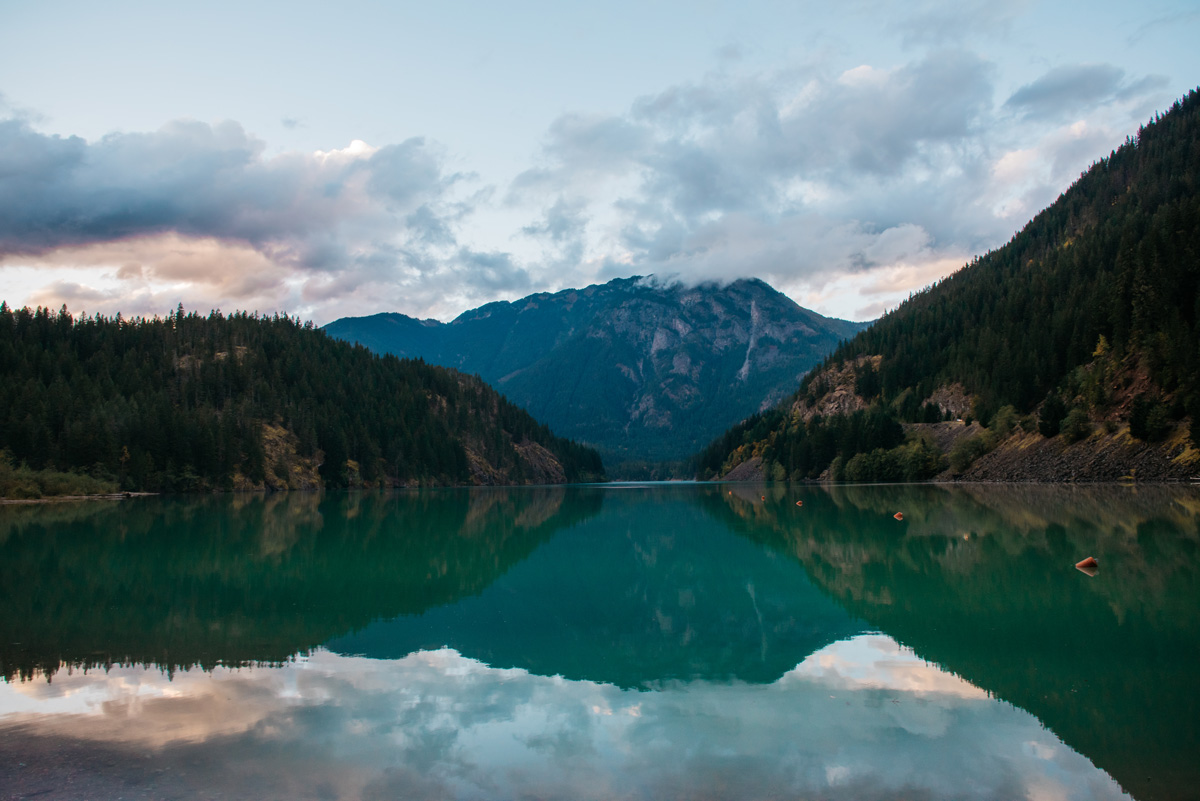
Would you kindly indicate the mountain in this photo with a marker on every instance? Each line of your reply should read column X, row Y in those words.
column 1075, row 344
column 640, row 369
column 189, row 403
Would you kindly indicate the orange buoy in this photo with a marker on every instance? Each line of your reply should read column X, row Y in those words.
column 799, row 503
column 764, row 497
column 1089, row 566
column 899, row 515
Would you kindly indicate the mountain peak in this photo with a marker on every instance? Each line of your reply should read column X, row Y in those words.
column 645, row 368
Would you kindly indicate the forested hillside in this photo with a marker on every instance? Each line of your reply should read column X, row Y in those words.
column 192, row 402
column 1087, row 317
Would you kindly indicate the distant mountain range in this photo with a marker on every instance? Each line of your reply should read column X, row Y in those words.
column 638, row 368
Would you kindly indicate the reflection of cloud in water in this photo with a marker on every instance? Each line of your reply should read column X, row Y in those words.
column 876, row 661
column 862, row 718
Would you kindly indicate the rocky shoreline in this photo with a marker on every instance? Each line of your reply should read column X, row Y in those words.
column 1102, row 457
column 109, row 496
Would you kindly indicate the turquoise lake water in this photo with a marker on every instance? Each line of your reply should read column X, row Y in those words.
column 632, row 641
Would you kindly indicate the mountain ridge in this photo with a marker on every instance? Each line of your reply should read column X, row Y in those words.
column 640, row 368
column 1084, row 327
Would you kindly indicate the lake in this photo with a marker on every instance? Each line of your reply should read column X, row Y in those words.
column 628, row 641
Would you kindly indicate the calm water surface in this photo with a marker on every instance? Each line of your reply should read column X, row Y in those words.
column 695, row 641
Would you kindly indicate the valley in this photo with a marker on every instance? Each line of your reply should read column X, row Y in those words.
column 645, row 371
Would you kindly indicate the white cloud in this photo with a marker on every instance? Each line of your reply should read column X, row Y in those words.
column 877, row 175
column 817, row 176
column 196, row 213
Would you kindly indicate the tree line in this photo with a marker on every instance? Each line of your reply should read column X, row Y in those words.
column 1116, row 256
column 1095, row 298
column 180, row 403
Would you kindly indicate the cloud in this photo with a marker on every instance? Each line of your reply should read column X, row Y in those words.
column 1069, row 89
column 803, row 176
column 735, row 145
column 771, row 176
column 938, row 22
column 200, row 180
column 202, row 213
column 1066, row 88
column 491, row 271
column 1175, row 20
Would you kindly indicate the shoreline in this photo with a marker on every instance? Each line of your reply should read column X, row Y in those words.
column 112, row 496
column 749, row 481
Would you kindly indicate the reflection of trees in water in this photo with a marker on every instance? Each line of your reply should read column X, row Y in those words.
column 1150, row 534
column 249, row 578
column 980, row 580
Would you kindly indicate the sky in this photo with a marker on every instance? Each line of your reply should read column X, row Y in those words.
column 328, row 160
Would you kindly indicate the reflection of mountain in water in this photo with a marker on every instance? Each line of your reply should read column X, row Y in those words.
column 230, row 580
column 655, row 585
column 981, row 581
column 652, row 589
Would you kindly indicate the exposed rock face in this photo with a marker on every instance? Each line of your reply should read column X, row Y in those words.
column 946, row 435
column 749, row 470
column 635, row 367
column 834, row 393
column 286, row 468
column 953, row 399
column 541, row 465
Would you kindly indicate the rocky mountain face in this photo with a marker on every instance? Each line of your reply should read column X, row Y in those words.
column 640, row 369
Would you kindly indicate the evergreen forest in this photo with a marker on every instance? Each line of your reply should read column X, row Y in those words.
column 1090, row 313
column 192, row 402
